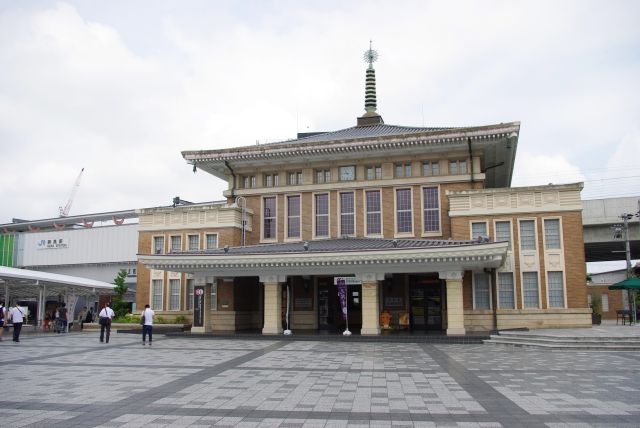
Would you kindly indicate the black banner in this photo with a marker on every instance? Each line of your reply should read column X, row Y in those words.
column 198, row 306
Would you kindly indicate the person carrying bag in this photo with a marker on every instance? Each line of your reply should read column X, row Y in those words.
column 106, row 315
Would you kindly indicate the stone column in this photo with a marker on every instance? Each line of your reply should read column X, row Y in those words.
column 455, row 309
column 370, row 303
column 272, row 303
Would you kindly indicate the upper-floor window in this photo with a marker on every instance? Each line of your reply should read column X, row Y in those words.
column 527, row 235
column 293, row 216
column 347, row 214
column 552, row 234
column 374, row 212
column 322, row 214
column 194, row 242
column 294, row 177
column 211, row 241
column 248, row 181
column 269, row 217
column 430, row 168
column 176, row 243
column 323, row 175
column 158, row 244
column 374, row 172
column 503, row 232
column 479, row 229
column 402, row 170
column 404, row 213
column 457, row 167
column 431, row 209
column 270, row 180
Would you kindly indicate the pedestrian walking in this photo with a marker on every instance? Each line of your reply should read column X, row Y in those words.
column 106, row 315
column 146, row 319
column 3, row 314
column 17, row 318
column 64, row 317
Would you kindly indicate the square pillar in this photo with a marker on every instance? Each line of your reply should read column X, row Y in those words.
column 370, row 302
column 455, row 309
column 272, row 305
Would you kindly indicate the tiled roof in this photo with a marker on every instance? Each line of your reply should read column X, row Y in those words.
column 363, row 132
column 335, row 245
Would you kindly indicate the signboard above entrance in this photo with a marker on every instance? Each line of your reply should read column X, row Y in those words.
column 349, row 280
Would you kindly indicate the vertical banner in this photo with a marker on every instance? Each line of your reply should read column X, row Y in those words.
column 198, row 306
column 342, row 295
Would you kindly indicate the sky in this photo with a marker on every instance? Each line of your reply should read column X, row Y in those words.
column 120, row 88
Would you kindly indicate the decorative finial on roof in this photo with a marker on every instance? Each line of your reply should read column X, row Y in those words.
column 371, row 117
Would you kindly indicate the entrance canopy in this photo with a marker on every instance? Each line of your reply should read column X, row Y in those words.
column 22, row 283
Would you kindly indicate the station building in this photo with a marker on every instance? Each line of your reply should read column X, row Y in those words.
column 419, row 224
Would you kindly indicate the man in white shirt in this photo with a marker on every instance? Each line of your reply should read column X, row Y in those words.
column 17, row 317
column 106, row 315
column 147, row 326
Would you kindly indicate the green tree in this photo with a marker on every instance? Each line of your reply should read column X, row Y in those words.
column 119, row 306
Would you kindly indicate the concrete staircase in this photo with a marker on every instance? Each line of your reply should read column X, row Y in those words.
column 564, row 342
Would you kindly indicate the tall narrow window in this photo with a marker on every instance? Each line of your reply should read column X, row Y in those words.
column 479, row 229
column 270, row 180
column 190, row 294
column 174, row 294
column 503, row 232
column 323, row 176
column 505, row 290
column 194, row 242
column 293, row 216
column 527, row 235
column 295, row 177
column 431, row 209
column 158, row 244
column 374, row 172
column 347, row 214
column 530, row 290
column 403, row 211
column 322, row 215
column 374, row 214
column 403, row 170
column 552, row 234
column 212, row 241
column 156, row 295
column 430, row 168
column 176, row 243
column 269, row 217
column 453, row 167
column 481, row 293
column 556, row 290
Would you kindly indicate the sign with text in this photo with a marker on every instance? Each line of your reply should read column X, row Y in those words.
column 47, row 244
column 198, row 306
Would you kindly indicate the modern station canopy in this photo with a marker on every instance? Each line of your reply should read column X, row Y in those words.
column 22, row 283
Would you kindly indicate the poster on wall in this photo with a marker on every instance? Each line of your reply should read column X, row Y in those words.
column 198, row 306
column 342, row 295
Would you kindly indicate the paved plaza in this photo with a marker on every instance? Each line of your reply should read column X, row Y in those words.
column 73, row 380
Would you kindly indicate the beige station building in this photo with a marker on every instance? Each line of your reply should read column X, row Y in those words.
column 418, row 225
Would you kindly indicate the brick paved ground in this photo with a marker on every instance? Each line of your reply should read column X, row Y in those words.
column 73, row 380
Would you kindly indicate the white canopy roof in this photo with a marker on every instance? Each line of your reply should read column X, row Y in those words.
column 28, row 283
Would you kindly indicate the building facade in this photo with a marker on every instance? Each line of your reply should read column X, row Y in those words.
column 335, row 230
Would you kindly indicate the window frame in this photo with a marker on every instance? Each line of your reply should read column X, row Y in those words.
column 171, row 238
column 327, row 215
column 495, row 231
column 366, row 213
column 486, row 228
column 299, row 216
column 513, row 290
column 172, row 296
column 263, row 218
column 544, row 233
column 153, row 294
column 189, row 236
column 154, row 239
column 294, row 178
column 474, row 290
column 206, row 241
column 428, row 233
column 535, row 235
column 522, row 279
column 564, row 289
column 341, row 213
column 376, row 172
column 190, row 286
column 397, row 233
column 404, row 168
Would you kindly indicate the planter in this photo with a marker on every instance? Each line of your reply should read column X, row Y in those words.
column 596, row 319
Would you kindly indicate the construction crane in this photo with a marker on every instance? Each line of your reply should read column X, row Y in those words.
column 64, row 212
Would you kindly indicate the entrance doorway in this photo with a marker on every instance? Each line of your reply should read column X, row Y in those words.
column 329, row 310
column 426, row 300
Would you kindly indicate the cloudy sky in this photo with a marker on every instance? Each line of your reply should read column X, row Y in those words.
column 120, row 88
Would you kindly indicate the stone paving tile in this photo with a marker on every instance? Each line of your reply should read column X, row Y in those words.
column 72, row 380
